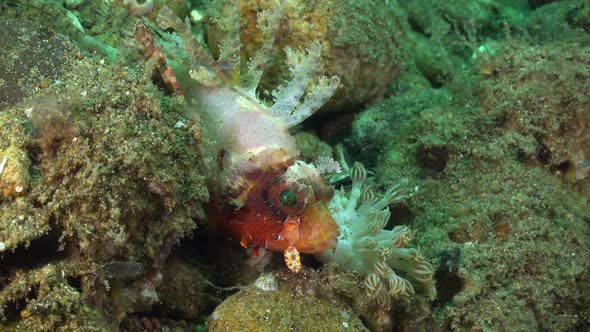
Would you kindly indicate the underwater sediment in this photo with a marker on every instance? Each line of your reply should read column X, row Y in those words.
column 471, row 212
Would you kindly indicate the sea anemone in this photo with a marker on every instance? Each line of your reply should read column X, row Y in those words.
column 366, row 247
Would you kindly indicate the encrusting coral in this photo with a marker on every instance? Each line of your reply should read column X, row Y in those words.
column 366, row 247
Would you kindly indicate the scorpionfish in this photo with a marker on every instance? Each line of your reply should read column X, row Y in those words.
column 262, row 193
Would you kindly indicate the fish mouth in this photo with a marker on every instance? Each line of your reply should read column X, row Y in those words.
column 318, row 231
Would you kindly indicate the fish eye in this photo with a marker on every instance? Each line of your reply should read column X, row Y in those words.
column 288, row 200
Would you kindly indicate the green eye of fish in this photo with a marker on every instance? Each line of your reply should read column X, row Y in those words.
column 287, row 198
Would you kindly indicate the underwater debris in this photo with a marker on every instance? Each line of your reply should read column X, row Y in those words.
column 267, row 282
column 366, row 247
column 123, row 270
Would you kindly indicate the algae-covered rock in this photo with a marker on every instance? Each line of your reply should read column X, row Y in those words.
column 481, row 159
column 489, row 132
column 94, row 171
column 14, row 159
column 548, row 100
column 47, row 299
column 289, row 307
column 14, row 175
column 556, row 19
column 183, row 291
column 20, row 222
column 446, row 35
column 312, row 147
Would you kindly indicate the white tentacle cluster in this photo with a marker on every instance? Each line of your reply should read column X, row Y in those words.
column 366, row 247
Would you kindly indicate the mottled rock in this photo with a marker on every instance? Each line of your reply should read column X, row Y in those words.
column 288, row 308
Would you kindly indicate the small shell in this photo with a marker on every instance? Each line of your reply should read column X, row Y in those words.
column 266, row 282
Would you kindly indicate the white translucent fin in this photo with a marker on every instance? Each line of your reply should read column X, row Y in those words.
column 318, row 96
column 229, row 49
column 302, row 66
column 268, row 23
column 167, row 19
column 204, row 69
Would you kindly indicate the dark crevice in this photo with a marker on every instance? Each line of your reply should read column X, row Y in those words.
column 13, row 308
column 400, row 215
column 223, row 249
column 433, row 159
column 149, row 322
column 417, row 27
column 534, row 4
column 331, row 128
column 437, row 82
column 448, row 283
column 35, row 154
column 310, row 262
column 39, row 252
column 543, row 154
column 564, row 167
column 75, row 282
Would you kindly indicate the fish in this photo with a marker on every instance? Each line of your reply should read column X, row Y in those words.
column 262, row 193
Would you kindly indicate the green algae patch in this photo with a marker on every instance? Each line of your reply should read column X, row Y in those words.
column 285, row 309
column 518, row 236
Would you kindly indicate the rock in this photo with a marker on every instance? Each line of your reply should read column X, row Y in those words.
column 290, row 307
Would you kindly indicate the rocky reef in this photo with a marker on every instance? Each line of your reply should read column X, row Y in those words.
column 471, row 212
column 97, row 186
column 501, row 196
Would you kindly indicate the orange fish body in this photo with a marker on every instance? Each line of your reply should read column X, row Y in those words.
column 276, row 216
column 261, row 194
